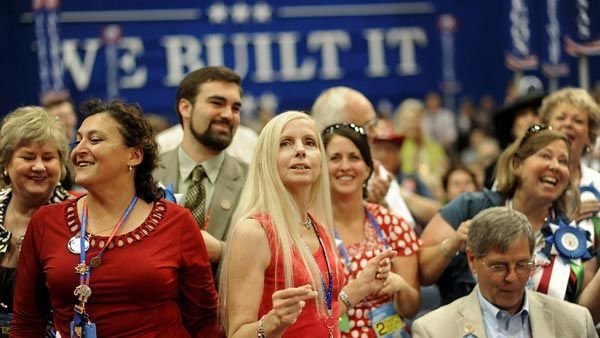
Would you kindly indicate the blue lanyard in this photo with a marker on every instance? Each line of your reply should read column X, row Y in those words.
column 330, row 323
column 380, row 236
column 84, row 277
column 378, row 229
column 84, row 271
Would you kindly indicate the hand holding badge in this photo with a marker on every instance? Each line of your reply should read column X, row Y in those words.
column 387, row 323
column 385, row 320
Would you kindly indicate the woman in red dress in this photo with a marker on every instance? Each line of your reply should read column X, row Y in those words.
column 281, row 276
column 119, row 261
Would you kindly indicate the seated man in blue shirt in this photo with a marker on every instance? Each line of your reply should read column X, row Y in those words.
column 499, row 252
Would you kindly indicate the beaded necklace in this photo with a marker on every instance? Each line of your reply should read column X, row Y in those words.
column 328, row 290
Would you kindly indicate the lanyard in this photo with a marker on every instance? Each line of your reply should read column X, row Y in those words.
column 115, row 229
column 329, row 322
column 380, row 236
column 83, row 290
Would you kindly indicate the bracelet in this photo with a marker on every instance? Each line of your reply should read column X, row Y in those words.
column 444, row 252
column 346, row 300
column 261, row 330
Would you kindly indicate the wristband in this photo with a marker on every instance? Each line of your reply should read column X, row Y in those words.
column 260, row 331
column 346, row 300
column 443, row 250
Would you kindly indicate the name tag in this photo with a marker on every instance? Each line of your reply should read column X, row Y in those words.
column 386, row 322
column 5, row 319
column 87, row 330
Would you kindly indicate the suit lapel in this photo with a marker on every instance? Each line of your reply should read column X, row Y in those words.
column 541, row 319
column 471, row 317
column 227, row 188
column 168, row 172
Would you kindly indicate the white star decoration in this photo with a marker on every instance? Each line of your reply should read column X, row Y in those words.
column 262, row 12
column 217, row 13
column 240, row 12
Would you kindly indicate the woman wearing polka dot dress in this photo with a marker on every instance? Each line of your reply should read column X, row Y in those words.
column 363, row 230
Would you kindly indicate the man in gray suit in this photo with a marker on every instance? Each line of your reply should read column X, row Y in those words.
column 208, row 104
column 499, row 251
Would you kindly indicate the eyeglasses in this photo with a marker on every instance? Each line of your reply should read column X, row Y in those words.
column 536, row 128
column 501, row 269
column 351, row 126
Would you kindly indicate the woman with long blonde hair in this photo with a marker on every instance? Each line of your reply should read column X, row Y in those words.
column 280, row 275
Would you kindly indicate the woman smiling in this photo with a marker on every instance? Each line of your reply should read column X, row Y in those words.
column 119, row 261
column 574, row 112
column 33, row 154
column 365, row 230
column 533, row 177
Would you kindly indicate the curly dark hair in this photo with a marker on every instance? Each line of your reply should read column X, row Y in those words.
column 136, row 132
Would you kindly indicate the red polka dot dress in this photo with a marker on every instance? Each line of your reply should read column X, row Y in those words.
column 400, row 236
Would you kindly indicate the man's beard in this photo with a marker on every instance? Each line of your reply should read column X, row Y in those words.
column 213, row 140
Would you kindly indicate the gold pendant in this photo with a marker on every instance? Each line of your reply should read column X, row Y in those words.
column 79, row 308
column 83, row 292
column 81, row 269
column 95, row 262
column 78, row 331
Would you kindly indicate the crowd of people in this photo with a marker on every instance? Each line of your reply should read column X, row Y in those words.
column 329, row 223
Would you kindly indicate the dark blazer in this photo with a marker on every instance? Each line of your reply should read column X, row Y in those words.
column 548, row 317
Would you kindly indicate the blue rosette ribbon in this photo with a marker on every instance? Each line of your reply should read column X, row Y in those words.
column 590, row 189
column 168, row 193
column 566, row 240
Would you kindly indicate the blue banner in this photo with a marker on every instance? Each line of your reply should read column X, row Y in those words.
column 287, row 52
